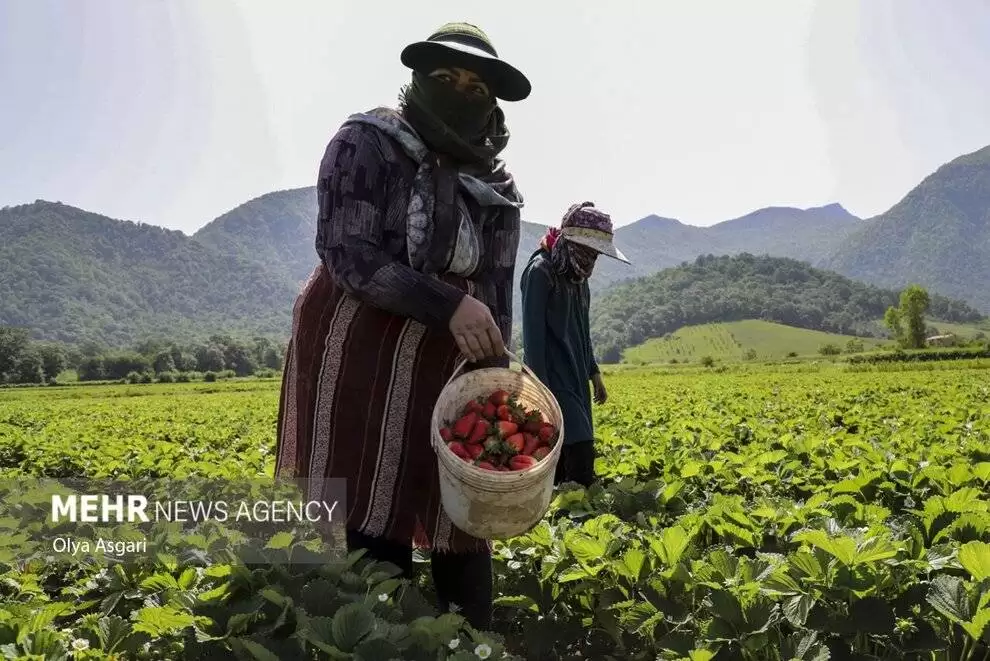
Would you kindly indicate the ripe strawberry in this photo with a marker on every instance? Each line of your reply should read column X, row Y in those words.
column 446, row 435
column 474, row 406
column 499, row 397
column 485, row 465
column 541, row 453
column 516, row 442
column 546, row 432
column 464, row 426
column 490, row 411
column 531, row 444
column 533, row 422
column 474, row 450
column 507, row 428
column 504, row 412
column 521, row 462
column 481, row 429
column 458, row 448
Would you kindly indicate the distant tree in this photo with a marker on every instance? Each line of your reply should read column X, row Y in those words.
column 267, row 354
column 186, row 362
column 29, row 367
column 91, row 369
column 13, row 341
column 708, row 361
column 750, row 354
column 53, row 360
column 120, row 365
column 239, row 359
column 892, row 320
column 907, row 321
column 209, row 358
column 164, row 361
column 829, row 350
column 855, row 345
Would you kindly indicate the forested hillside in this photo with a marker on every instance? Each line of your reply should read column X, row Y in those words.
column 937, row 236
column 70, row 275
column 733, row 288
column 74, row 276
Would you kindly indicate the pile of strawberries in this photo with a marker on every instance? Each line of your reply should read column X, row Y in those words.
column 496, row 433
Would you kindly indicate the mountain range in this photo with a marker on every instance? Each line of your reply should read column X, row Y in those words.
column 72, row 275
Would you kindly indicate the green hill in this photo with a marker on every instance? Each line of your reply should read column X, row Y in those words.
column 276, row 231
column 74, row 276
column 721, row 289
column 937, row 236
column 735, row 340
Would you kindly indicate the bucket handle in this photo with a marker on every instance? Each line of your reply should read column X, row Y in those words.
column 512, row 356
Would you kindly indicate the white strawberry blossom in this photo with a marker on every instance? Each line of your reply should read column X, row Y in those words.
column 483, row 651
column 454, row 643
column 80, row 644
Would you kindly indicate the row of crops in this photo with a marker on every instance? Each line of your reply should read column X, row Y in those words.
column 765, row 515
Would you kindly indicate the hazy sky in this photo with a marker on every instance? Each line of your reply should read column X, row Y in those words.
column 174, row 111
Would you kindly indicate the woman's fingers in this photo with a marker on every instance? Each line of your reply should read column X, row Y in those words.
column 462, row 344
column 498, row 346
column 476, row 351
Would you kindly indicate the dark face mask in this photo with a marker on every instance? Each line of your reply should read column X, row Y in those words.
column 466, row 115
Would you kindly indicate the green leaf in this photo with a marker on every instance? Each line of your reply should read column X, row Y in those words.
column 975, row 558
column 796, row 609
column 631, row 564
column 248, row 650
column 160, row 582
column 671, row 545
column 351, row 624
column 187, row 579
column 976, row 626
column 841, row 548
column 376, row 649
column 112, row 631
column 280, row 540
column 159, row 621
column 586, row 549
column 947, row 595
column 521, row 602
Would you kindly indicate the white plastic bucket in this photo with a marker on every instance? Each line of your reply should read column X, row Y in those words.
column 493, row 504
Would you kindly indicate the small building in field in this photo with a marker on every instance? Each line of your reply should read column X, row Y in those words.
column 941, row 340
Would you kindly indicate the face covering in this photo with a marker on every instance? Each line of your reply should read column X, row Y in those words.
column 467, row 128
column 467, row 115
column 573, row 261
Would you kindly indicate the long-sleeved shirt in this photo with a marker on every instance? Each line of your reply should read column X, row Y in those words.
column 363, row 190
column 557, row 342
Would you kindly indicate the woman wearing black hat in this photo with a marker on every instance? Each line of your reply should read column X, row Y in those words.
column 417, row 234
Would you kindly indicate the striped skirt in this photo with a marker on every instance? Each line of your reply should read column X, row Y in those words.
column 358, row 391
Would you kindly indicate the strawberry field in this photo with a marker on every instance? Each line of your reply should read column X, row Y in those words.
column 761, row 515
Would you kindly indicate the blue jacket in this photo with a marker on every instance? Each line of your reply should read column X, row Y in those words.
column 557, row 342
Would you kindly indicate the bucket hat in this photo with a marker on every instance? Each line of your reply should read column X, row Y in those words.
column 585, row 225
column 467, row 46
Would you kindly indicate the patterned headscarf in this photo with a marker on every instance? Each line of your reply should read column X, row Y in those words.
column 572, row 260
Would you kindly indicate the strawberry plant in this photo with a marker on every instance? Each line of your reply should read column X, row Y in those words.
column 770, row 514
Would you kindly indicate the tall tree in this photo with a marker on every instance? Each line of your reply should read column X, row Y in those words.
column 907, row 321
column 53, row 360
column 13, row 342
column 914, row 305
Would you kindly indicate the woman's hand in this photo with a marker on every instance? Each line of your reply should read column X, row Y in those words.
column 601, row 395
column 475, row 331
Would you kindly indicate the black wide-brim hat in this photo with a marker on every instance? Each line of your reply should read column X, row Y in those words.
column 466, row 46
